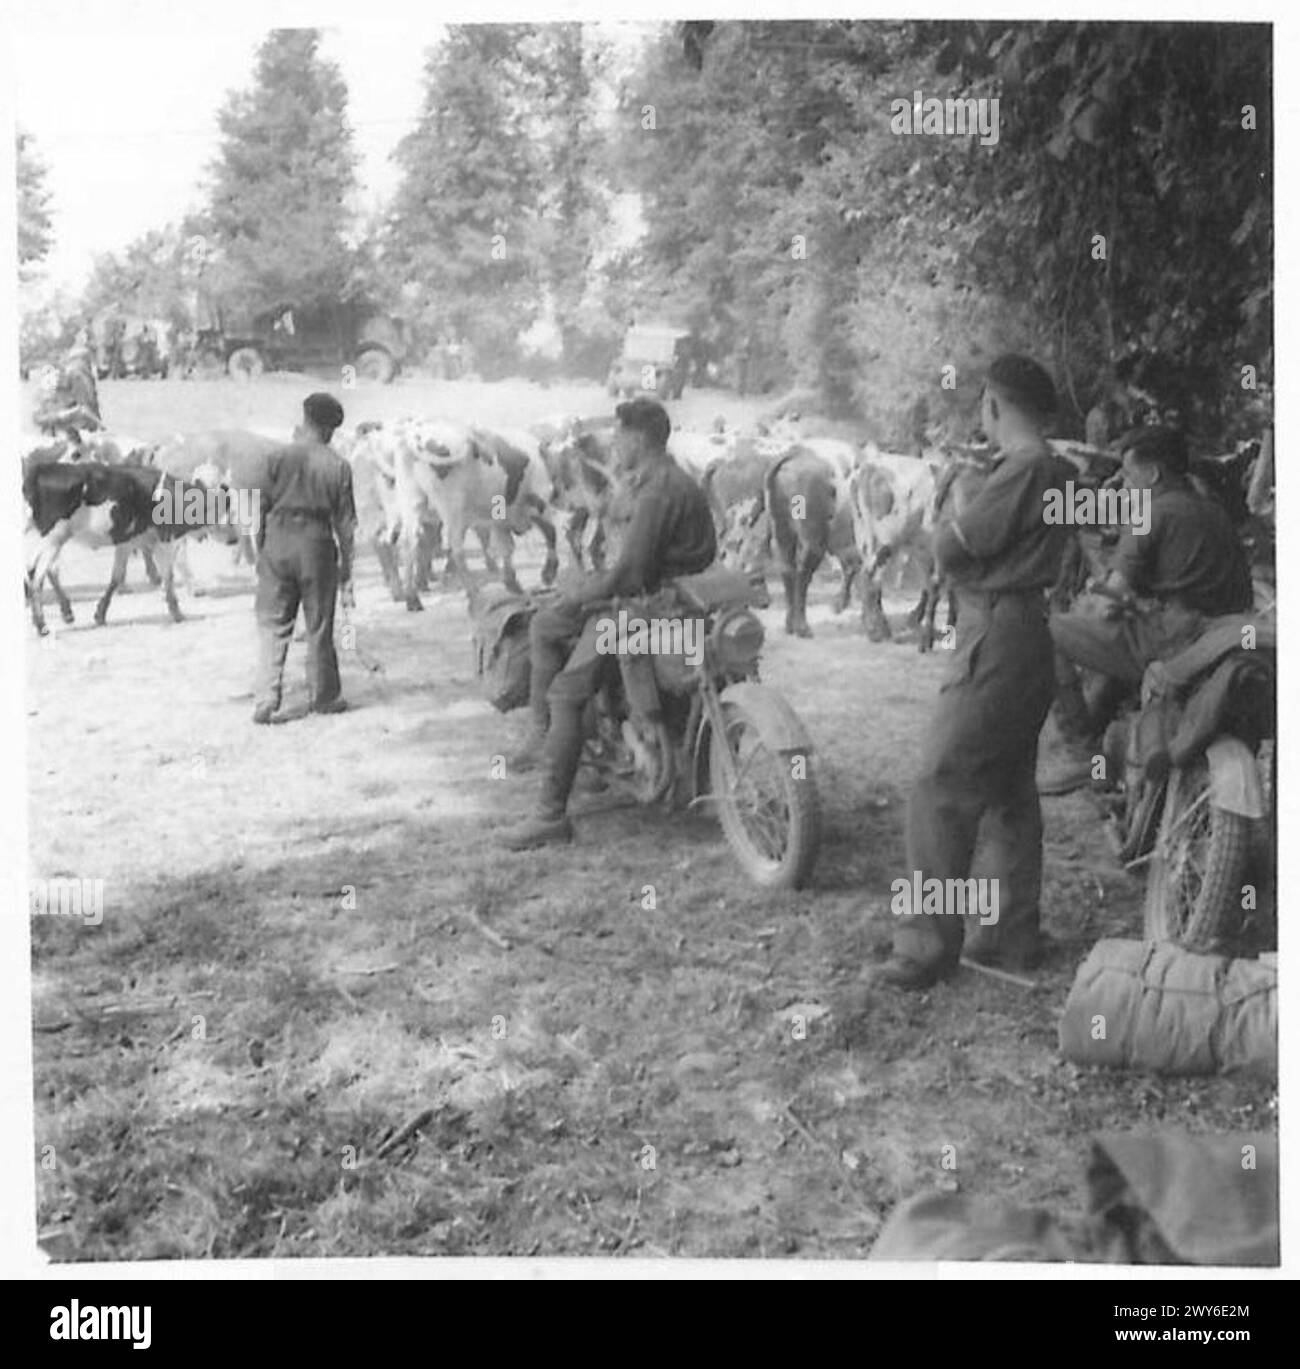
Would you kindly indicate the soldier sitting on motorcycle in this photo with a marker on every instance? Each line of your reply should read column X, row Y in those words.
column 1186, row 568
column 670, row 533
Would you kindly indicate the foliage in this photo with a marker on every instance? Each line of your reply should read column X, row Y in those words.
column 923, row 252
column 500, row 209
column 280, row 213
column 35, row 224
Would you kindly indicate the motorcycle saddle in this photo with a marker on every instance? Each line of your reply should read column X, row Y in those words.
column 1222, row 637
column 716, row 588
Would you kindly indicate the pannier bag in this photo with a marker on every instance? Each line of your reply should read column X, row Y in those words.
column 1155, row 1006
column 500, row 645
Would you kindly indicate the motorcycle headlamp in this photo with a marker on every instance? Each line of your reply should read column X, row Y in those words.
column 737, row 640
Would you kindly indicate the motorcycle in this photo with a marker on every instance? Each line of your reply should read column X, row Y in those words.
column 1197, row 762
column 694, row 726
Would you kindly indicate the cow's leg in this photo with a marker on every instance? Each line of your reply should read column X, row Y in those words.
column 165, row 553
column 429, row 541
column 596, row 551
column 505, row 547
column 386, row 555
column 928, row 607
column 806, row 567
column 150, row 566
column 408, row 563
column 42, row 567
column 788, row 585
column 551, row 566
column 121, row 555
column 850, row 565
column 487, row 540
column 573, row 531
column 65, row 605
column 873, row 610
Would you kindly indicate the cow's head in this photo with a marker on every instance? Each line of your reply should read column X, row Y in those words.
column 230, row 509
column 442, row 446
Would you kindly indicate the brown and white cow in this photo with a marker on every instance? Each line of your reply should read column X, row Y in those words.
column 890, row 497
column 472, row 479
column 579, row 458
column 782, row 501
column 124, row 507
column 232, row 458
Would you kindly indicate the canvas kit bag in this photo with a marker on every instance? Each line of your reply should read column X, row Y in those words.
column 1155, row 1006
column 500, row 647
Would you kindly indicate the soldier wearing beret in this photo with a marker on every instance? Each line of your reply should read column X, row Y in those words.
column 977, row 773
column 304, row 541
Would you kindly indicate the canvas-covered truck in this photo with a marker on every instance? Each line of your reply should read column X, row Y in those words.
column 654, row 361
column 289, row 337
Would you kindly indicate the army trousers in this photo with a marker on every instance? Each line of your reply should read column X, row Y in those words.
column 974, row 812
column 297, row 566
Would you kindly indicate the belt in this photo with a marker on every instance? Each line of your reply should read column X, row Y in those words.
column 301, row 515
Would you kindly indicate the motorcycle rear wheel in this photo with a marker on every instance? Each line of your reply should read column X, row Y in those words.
column 771, row 819
column 1202, row 858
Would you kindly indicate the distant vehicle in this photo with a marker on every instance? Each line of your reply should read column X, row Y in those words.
column 290, row 338
column 129, row 345
column 653, row 361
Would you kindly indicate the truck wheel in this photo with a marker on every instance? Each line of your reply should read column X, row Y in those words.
column 374, row 363
column 245, row 363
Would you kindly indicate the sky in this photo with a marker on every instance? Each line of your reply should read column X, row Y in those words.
column 126, row 122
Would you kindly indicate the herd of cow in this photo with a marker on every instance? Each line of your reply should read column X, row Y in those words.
column 422, row 485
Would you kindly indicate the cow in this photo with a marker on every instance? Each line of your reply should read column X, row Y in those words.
column 110, row 449
column 372, row 452
column 890, row 498
column 232, row 458
column 800, row 500
column 471, row 478
column 374, row 493
column 578, row 453
column 120, row 506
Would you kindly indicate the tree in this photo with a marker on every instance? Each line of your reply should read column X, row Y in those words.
column 282, row 183
column 461, row 227
column 35, row 225
column 920, row 256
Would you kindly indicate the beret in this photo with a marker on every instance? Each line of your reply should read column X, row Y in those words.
column 323, row 411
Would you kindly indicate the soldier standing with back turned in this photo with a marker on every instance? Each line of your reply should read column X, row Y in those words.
column 304, row 544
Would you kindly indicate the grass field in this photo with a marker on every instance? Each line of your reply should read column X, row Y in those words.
column 310, row 943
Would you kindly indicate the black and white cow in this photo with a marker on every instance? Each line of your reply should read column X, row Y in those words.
column 124, row 507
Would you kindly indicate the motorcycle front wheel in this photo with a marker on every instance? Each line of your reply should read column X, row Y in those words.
column 769, row 812
column 1201, row 862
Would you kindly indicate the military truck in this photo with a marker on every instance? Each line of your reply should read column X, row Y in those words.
column 294, row 338
column 653, row 361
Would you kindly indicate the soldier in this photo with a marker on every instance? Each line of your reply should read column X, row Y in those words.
column 1186, row 566
column 670, row 533
column 306, row 509
column 977, row 768
column 73, row 401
